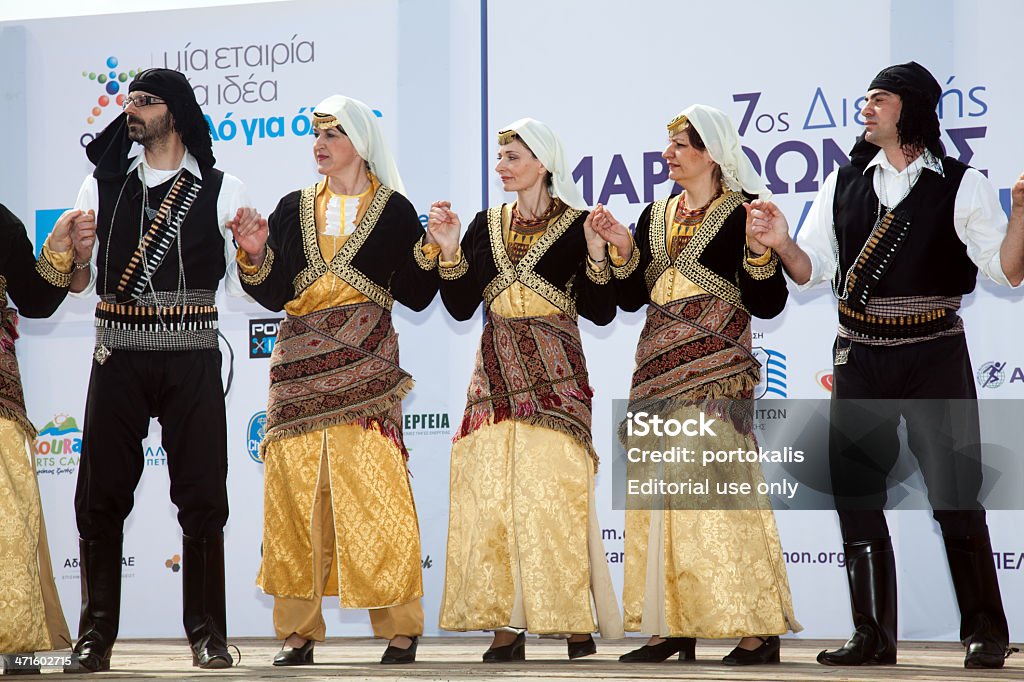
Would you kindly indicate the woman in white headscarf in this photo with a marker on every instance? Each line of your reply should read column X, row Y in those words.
column 524, row 546
column 339, row 517
column 715, row 569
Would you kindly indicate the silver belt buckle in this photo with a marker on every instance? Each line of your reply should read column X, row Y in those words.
column 101, row 354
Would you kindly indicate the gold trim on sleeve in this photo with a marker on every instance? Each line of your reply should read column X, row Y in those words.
column 257, row 278
column 424, row 260
column 598, row 275
column 452, row 270
column 623, row 269
column 761, row 268
column 62, row 261
column 61, row 280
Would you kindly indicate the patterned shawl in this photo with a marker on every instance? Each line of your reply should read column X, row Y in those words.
column 336, row 366
column 12, row 398
column 531, row 369
column 695, row 350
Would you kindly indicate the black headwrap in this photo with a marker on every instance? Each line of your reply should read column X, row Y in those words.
column 919, row 123
column 109, row 150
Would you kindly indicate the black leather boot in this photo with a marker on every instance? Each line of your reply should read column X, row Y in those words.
column 99, row 564
column 983, row 628
column 203, row 608
column 871, row 571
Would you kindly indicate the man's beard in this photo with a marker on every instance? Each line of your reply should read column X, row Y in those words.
column 146, row 134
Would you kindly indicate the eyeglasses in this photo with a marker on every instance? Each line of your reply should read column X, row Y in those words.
column 141, row 101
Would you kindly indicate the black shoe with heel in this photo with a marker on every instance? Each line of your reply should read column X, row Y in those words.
column 296, row 655
column 580, row 649
column 686, row 647
column 768, row 652
column 516, row 651
column 395, row 656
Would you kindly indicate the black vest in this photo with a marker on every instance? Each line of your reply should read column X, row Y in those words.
column 202, row 244
column 932, row 261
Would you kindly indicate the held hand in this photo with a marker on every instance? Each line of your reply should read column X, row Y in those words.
column 444, row 228
column 611, row 231
column 1017, row 194
column 250, row 232
column 83, row 236
column 60, row 239
column 767, row 227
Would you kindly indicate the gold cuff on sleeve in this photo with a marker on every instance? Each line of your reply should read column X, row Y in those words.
column 453, row 269
column 249, row 273
column 760, row 267
column 622, row 269
column 426, row 255
column 596, row 274
column 50, row 271
column 62, row 262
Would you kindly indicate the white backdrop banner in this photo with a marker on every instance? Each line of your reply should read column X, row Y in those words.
column 444, row 76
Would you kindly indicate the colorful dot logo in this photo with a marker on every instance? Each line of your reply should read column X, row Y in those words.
column 113, row 82
column 174, row 563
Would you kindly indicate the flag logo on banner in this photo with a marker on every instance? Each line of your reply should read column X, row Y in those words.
column 111, row 82
column 254, row 435
column 773, row 373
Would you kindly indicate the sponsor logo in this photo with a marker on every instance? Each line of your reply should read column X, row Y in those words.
column 824, row 380
column 428, row 562
column 174, row 563
column 113, row 85
column 262, row 336
column 255, row 432
column 156, row 457
column 992, row 374
column 58, row 446
column 426, row 422
column 773, row 373
column 72, row 565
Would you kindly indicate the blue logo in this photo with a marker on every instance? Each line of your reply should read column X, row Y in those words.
column 254, row 435
column 46, row 219
column 262, row 336
column 773, row 373
column 992, row 374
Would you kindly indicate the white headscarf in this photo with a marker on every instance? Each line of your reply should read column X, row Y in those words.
column 547, row 147
column 360, row 124
column 723, row 143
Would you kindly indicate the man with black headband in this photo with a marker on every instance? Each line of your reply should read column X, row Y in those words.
column 159, row 221
column 902, row 232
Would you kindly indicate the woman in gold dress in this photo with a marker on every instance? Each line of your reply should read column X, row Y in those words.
column 524, row 546
column 712, row 570
column 30, row 615
column 339, row 517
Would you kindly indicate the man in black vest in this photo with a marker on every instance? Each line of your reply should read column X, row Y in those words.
column 902, row 232
column 159, row 222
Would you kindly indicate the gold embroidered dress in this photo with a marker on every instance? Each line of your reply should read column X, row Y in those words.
column 31, row 618
column 524, row 544
column 715, row 572
column 339, row 513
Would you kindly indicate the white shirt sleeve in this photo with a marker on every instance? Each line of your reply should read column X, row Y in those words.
column 89, row 200
column 233, row 196
column 817, row 235
column 980, row 223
